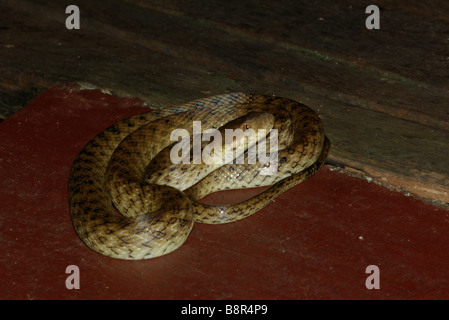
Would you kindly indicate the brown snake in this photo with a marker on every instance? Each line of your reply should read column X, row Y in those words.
column 110, row 173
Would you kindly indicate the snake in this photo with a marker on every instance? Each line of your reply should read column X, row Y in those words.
column 123, row 206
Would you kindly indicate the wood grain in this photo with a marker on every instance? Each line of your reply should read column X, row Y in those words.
column 383, row 94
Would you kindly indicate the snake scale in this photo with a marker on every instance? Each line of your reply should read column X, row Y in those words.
column 117, row 211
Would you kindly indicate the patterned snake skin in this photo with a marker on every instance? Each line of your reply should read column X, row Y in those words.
column 110, row 175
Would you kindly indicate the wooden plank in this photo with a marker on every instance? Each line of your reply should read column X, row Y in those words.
column 337, row 29
column 319, row 53
column 52, row 54
column 199, row 48
column 408, row 156
column 334, row 32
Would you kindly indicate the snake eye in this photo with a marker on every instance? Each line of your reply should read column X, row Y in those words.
column 246, row 126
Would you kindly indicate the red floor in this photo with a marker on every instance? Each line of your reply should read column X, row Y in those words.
column 313, row 242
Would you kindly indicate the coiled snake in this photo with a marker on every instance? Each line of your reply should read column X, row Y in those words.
column 110, row 173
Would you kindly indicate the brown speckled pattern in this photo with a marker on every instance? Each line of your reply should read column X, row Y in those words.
column 109, row 172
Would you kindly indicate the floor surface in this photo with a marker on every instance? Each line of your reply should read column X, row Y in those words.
column 313, row 242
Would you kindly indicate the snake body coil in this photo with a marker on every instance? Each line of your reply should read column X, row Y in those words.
column 110, row 174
